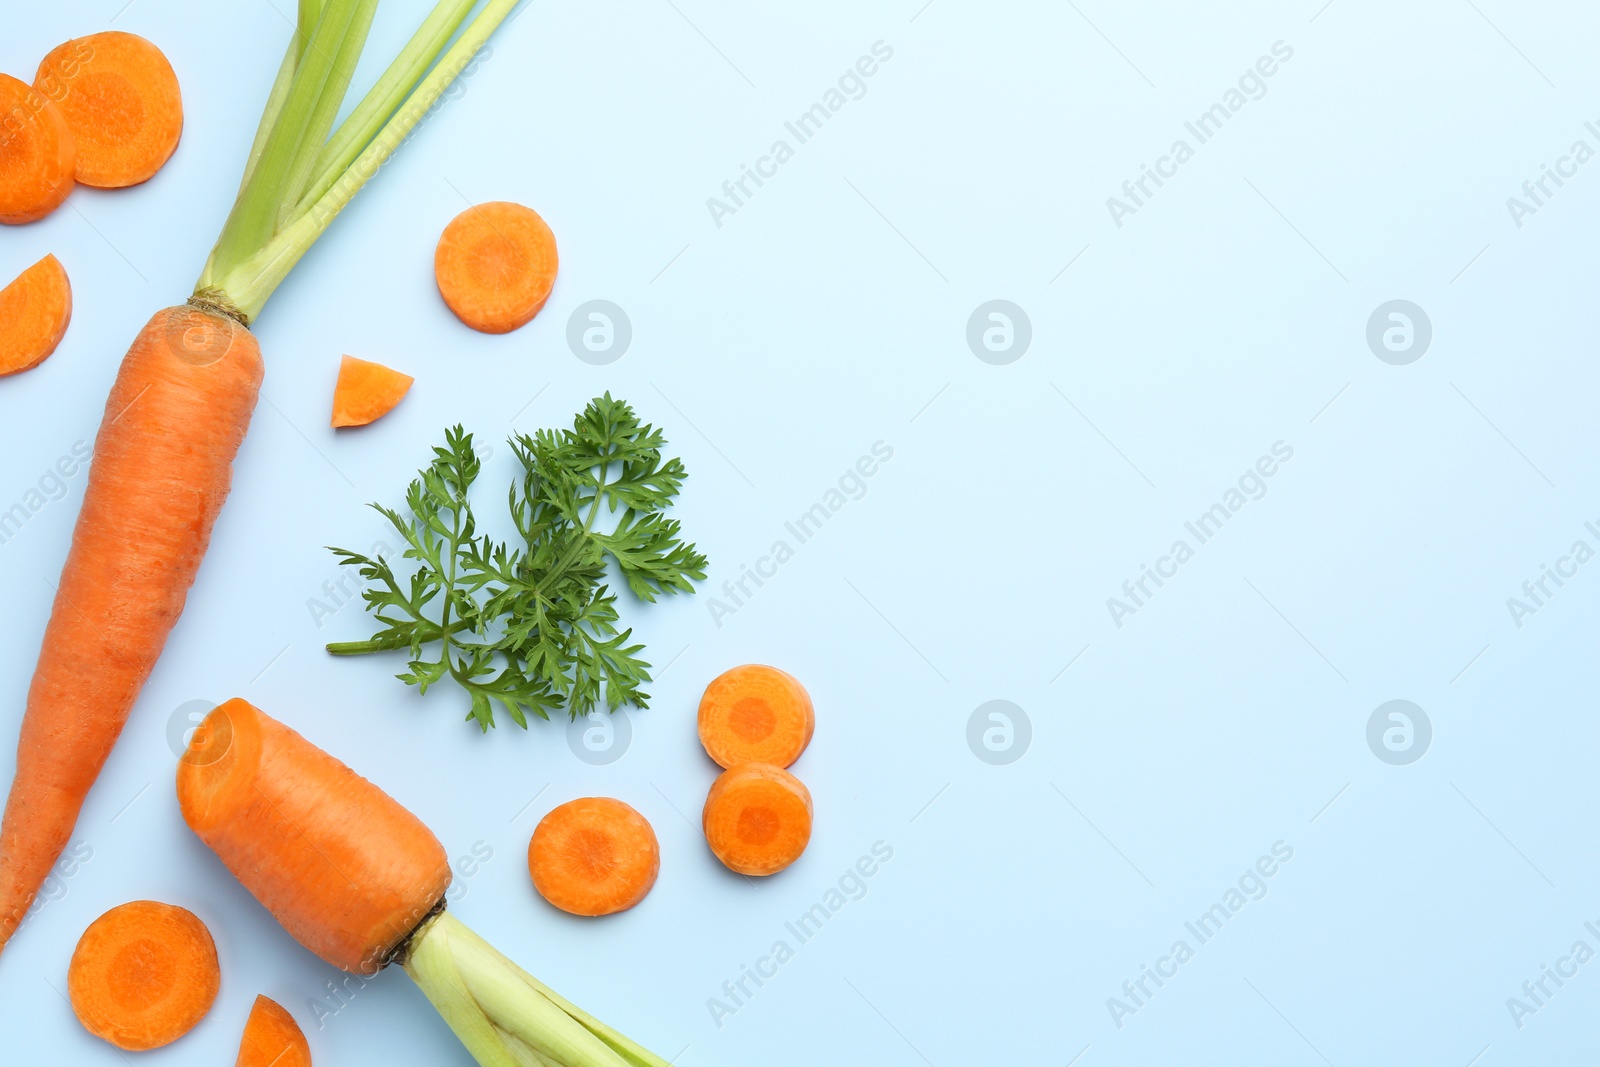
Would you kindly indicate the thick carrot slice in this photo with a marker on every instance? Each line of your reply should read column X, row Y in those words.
column 143, row 975
column 342, row 866
column 120, row 96
column 756, row 714
column 757, row 818
column 272, row 1038
column 496, row 265
column 37, row 154
column 594, row 856
column 366, row 391
column 34, row 312
column 163, row 462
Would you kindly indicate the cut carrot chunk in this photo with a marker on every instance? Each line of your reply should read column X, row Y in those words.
column 756, row 714
column 120, row 96
column 496, row 265
column 272, row 1038
column 34, row 312
column 757, row 818
column 594, row 856
column 143, row 975
column 37, row 154
column 366, row 391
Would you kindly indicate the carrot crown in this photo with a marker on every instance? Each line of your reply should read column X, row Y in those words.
column 301, row 171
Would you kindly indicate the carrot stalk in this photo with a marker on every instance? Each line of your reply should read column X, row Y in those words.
column 177, row 414
column 349, row 872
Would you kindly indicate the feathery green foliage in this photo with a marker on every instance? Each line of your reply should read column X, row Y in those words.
column 530, row 624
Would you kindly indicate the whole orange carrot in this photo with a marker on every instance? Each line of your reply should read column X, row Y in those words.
column 180, row 408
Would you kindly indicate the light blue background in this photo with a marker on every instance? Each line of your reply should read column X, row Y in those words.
column 829, row 313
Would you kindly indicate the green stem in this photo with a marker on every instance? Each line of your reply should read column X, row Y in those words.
column 250, row 283
column 254, row 217
column 503, row 1015
column 357, row 131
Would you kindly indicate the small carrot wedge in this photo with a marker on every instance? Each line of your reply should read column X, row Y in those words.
column 34, row 313
column 272, row 1038
column 496, row 265
column 246, row 780
column 756, row 714
column 757, row 818
column 143, row 975
column 120, row 96
column 594, row 856
column 37, row 154
column 366, row 392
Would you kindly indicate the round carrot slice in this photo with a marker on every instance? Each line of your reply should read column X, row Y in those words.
column 594, row 856
column 34, row 312
column 272, row 1038
column 143, row 975
column 496, row 265
column 756, row 714
column 757, row 818
column 120, row 96
column 37, row 154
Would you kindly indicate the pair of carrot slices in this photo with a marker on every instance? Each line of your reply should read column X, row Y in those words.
column 145, row 973
column 103, row 110
column 495, row 266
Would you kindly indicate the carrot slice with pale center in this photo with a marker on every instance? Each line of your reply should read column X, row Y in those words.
column 37, row 154
column 272, row 1038
column 34, row 312
column 496, row 265
column 121, row 98
column 594, row 856
column 756, row 714
column 366, row 391
column 143, row 975
column 757, row 818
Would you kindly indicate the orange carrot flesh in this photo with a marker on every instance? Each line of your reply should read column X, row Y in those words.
column 34, row 313
column 345, row 869
column 162, row 466
column 272, row 1038
column 120, row 96
column 757, row 818
column 756, row 714
column 366, row 392
column 496, row 265
column 143, row 975
column 594, row 856
column 37, row 154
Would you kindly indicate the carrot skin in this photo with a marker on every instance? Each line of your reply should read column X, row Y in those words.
column 162, row 467
column 342, row 866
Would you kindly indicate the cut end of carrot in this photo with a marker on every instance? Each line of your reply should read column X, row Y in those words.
column 120, row 97
column 37, row 154
column 496, row 265
column 757, row 819
column 756, row 714
column 366, row 392
column 143, row 975
column 272, row 1038
column 34, row 312
column 343, row 866
column 594, row 856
